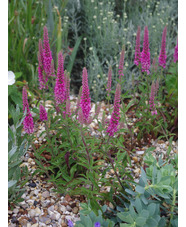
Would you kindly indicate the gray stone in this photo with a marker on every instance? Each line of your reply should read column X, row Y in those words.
column 37, row 211
column 140, row 152
column 68, row 208
column 62, row 208
column 15, row 211
column 32, row 213
column 75, row 210
column 46, row 194
column 45, row 203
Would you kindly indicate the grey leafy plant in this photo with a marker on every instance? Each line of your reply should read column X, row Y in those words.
column 17, row 147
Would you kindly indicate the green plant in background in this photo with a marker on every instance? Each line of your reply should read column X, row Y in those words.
column 106, row 25
column 90, row 218
column 17, row 147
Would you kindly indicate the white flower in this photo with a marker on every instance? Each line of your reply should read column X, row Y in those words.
column 11, row 78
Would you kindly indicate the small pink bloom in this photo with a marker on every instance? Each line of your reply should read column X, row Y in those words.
column 42, row 113
column 28, row 123
column 163, row 56
column 114, row 121
column 85, row 99
column 145, row 54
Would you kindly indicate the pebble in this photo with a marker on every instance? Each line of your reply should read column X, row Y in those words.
column 37, row 211
column 35, row 225
column 139, row 152
column 46, row 194
column 75, row 210
column 135, row 159
column 45, row 203
column 33, row 185
column 15, row 211
column 68, row 208
column 62, row 208
column 32, row 213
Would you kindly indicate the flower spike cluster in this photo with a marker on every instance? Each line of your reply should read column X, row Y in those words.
column 176, row 53
column 114, row 121
column 163, row 56
column 154, row 88
column 145, row 55
column 121, row 62
column 85, row 99
column 42, row 113
column 47, row 53
column 137, row 58
column 28, row 122
column 60, row 88
column 41, row 73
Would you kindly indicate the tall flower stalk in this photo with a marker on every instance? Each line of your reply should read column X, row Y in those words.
column 145, row 54
column 47, row 53
column 41, row 73
column 85, row 102
column 137, row 58
column 154, row 88
column 176, row 53
column 60, row 87
column 28, row 122
column 121, row 63
column 114, row 121
column 163, row 56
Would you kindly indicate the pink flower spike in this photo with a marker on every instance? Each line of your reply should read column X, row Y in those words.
column 109, row 80
column 163, row 56
column 176, row 53
column 121, row 62
column 145, row 54
column 137, row 58
column 60, row 89
column 42, row 113
column 47, row 53
column 85, row 99
column 41, row 74
column 28, row 123
column 114, row 121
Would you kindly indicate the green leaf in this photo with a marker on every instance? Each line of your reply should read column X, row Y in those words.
column 140, row 189
column 11, row 183
column 18, row 75
column 141, row 221
column 138, row 205
column 73, row 55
